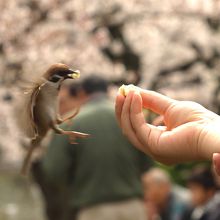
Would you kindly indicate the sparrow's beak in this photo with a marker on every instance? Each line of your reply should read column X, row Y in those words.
column 74, row 74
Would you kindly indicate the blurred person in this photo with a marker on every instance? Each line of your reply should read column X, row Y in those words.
column 55, row 196
column 162, row 200
column 103, row 172
column 68, row 97
column 205, row 197
column 191, row 132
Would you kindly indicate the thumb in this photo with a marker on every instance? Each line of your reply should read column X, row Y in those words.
column 156, row 102
column 146, row 133
column 216, row 162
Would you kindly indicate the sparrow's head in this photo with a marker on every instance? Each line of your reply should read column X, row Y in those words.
column 59, row 72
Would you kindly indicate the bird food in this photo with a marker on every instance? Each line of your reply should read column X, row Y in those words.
column 125, row 89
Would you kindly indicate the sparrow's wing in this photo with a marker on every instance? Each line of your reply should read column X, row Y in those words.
column 26, row 119
column 31, row 107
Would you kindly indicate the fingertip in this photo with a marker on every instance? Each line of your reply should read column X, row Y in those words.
column 136, row 106
column 120, row 97
column 119, row 102
column 156, row 102
column 215, row 157
column 216, row 162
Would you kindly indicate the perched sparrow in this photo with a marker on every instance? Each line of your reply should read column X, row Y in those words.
column 40, row 111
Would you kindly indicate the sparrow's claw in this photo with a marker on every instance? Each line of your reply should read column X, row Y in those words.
column 73, row 135
column 73, row 142
column 59, row 120
column 79, row 134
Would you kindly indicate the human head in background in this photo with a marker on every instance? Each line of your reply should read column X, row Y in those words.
column 91, row 86
column 163, row 200
column 69, row 97
column 202, row 185
column 157, row 186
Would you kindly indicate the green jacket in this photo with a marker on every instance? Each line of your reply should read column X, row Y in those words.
column 102, row 168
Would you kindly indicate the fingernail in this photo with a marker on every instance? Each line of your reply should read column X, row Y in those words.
column 214, row 157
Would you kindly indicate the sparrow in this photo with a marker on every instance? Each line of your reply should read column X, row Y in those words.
column 40, row 110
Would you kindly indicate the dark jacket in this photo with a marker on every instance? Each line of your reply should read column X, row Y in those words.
column 102, row 168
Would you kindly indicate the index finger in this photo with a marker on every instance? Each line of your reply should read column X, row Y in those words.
column 118, row 107
column 156, row 102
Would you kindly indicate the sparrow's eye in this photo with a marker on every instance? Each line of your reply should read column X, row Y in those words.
column 55, row 78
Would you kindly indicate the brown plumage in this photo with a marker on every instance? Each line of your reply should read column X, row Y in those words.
column 40, row 110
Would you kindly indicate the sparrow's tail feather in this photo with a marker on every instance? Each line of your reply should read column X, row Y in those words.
column 27, row 160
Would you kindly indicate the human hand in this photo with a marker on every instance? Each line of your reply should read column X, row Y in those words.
column 191, row 132
column 216, row 162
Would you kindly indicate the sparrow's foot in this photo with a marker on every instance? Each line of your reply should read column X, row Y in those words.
column 60, row 120
column 35, row 143
column 27, row 161
column 73, row 135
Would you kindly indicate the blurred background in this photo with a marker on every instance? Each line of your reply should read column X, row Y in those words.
column 171, row 46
